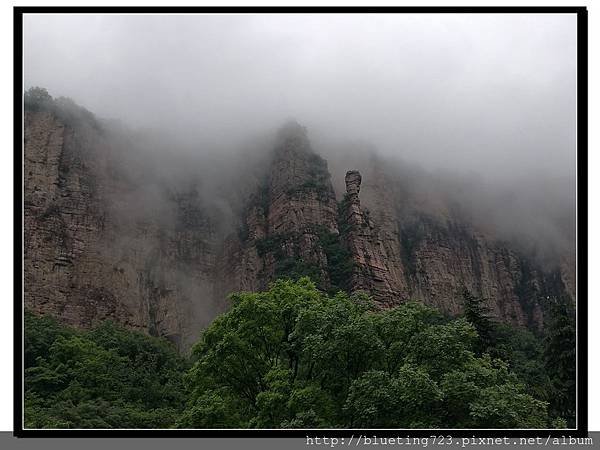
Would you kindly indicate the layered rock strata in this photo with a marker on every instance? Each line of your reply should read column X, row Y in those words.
column 93, row 252
column 99, row 243
column 285, row 220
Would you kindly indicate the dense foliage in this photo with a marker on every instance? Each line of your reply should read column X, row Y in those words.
column 478, row 315
column 104, row 378
column 339, row 260
column 295, row 357
column 560, row 358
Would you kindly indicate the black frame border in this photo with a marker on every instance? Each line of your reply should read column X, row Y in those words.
column 582, row 224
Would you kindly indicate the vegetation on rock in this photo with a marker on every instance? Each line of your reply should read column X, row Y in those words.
column 339, row 261
column 70, row 113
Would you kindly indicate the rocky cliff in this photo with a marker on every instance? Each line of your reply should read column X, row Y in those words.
column 92, row 251
column 374, row 249
column 429, row 259
column 288, row 220
column 395, row 249
column 101, row 241
column 427, row 250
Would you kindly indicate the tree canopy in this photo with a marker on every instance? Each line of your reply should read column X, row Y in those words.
column 296, row 357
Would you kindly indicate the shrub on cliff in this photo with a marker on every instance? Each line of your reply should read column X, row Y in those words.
column 37, row 98
column 64, row 108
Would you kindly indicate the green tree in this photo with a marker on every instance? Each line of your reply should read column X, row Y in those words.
column 473, row 397
column 37, row 98
column 524, row 353
column 396, row 327
column 108, row 377
column 560, row 358
column 507, row 406
column 40, row 334
column 295, row 357
column 478, row 314
column 409, row 399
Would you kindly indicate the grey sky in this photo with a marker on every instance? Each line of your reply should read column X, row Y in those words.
column 490, row 93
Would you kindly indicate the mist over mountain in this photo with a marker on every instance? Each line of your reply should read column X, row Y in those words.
column 493, row 94
column 178, row 187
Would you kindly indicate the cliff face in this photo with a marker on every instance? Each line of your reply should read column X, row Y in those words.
column 90, row 254
column 395, row 250
column 377, row 263
column 404, row 250
column 287, row 219
column 101, row 242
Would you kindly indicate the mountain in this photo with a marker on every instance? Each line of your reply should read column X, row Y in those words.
column 392, row 250
column 101, row 243
column 107, row 234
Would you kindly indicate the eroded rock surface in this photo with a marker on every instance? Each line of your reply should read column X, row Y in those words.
column 102, row 243
column 91, row 252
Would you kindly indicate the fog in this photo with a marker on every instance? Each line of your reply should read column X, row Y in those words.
column 486, row 102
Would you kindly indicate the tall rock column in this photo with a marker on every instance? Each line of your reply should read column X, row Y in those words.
column 373, row 271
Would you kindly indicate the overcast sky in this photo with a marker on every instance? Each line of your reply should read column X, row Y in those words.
column 490, row 93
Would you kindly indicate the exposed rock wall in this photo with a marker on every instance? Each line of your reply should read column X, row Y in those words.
column 406, row 252
column 447, row 256
column 88, row 256
column 63, row 222
column 100, row 243
column 397, row 252
column 375, row 252
column 286, row 218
